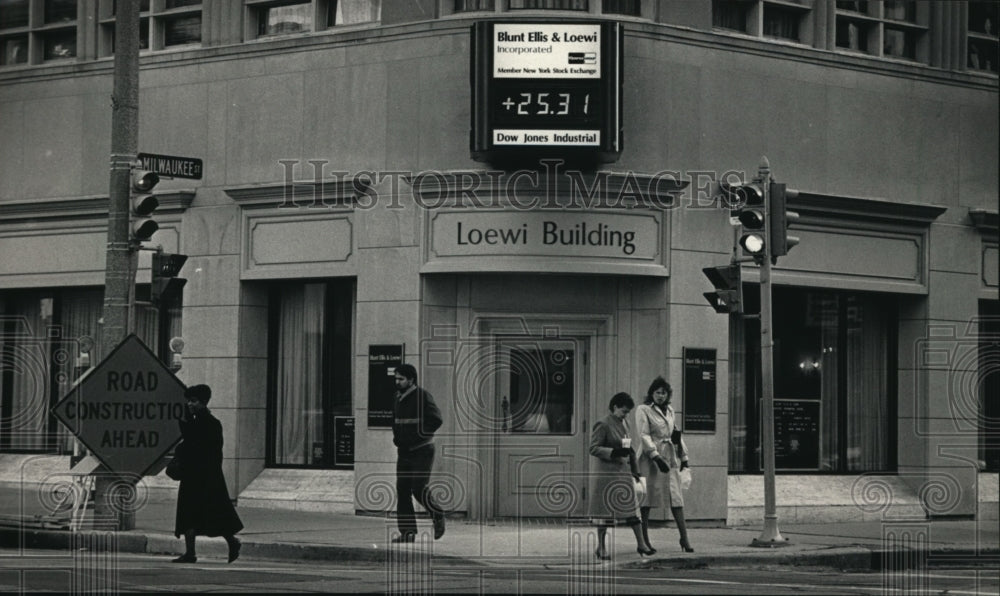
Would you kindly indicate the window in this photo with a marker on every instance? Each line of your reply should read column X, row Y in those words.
column 474, row 5
column 33, row 31
column 550, row 4
column 989, row 384
column 274, row 18
column 309, row 370
column 834, row 394
column 983, row 49
column 891, row 28
column 775, row 19
column 631, row 8
column 48, row 338
column 162, row 24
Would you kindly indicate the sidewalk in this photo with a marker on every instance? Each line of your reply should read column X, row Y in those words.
column 296, row 535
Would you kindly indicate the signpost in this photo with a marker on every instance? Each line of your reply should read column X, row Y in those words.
column 171, row 165
column 125, row 410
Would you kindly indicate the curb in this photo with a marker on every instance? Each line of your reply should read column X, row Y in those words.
column 166, row 544
column 843, row 558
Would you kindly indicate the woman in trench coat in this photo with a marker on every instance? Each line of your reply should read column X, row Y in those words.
column 203, row 505
column 612, row 484
column 663, row 455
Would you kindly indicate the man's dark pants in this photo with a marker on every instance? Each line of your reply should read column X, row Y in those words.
column 413, row 473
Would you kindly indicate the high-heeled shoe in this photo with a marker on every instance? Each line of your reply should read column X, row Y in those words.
column 643, row 552
column 686, row 547
column 602, row 557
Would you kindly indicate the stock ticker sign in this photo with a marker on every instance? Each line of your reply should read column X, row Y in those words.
column 126, row 409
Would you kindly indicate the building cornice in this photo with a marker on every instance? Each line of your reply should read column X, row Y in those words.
column 89, row 207
column 865, row 209
column 985, row 220
column 325, row 193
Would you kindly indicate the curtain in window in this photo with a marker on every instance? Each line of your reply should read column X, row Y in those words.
column 25, row 372
column 473, row 5
column 357, row 11
column 550, row 4
column 737, row 395
column 299, row 372
column 79, row 313
column 829, row 443
column 729, row 14
column 867, row 402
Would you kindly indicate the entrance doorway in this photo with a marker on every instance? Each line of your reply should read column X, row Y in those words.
column 540, row 451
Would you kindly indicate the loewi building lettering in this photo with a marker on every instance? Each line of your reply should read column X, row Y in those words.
column 551, row 234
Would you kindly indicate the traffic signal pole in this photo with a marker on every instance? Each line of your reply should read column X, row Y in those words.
column 770, row 536
column 119, row 276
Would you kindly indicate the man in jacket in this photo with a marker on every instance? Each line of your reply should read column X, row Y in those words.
column 415, row 418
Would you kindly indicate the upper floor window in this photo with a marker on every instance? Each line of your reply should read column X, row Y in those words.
column 982, row 51
column 35, row 31
column 891, row 28
column 777, row 19
column 162, row 24
column 474, row 5
column 550, row 4
column 266, row 18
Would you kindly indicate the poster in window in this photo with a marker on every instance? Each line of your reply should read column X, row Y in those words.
column 796, row 434
column 343, row 440
column 382, row 363
column 699, row 390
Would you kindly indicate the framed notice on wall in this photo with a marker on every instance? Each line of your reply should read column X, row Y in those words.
column 382, row 363
column 796, row 434
column 699, row 390
column 343, row 440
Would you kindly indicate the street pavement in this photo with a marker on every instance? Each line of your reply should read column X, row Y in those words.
column 300, row 535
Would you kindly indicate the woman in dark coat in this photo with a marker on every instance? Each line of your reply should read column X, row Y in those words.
column 203, row 505
column 612, row 481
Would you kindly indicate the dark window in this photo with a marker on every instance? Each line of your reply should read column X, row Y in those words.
column 48, row 338
column 14, row 13
column 627, row 7
column 781, row 22
column 989, row 384
column 178, row 3
column 15, row 49
column 550, row 4
column 181, row 30
column 834, row 383
column 474, row 5
column 309, row 370
column 60, row 11
column 59, row 44
column 730, row 14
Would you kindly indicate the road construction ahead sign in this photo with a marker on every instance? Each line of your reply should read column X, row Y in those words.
column 126, row 409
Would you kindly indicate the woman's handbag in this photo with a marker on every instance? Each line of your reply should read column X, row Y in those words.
column 685, row 476
column 174, row 469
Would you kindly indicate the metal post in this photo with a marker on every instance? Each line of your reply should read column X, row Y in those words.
column 118, row 274
column 770, row 536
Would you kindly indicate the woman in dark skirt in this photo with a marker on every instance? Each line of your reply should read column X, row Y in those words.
column 203, row 505
column 613, row 476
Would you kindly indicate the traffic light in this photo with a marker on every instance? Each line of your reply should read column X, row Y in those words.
column 747, row 205
column 143, row 203
column 164, row 284
column 781, row 218
column 728, row 294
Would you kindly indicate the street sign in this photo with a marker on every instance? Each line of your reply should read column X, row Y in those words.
column 126, row 409
column 171, row 165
